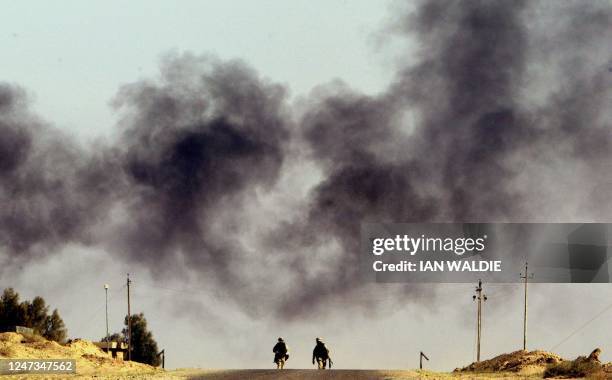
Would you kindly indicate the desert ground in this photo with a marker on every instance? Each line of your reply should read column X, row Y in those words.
column 288, row 374
column 92, row 362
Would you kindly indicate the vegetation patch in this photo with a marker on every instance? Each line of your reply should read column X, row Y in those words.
column 581, row 367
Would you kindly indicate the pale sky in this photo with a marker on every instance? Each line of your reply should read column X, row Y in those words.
column 72, row 56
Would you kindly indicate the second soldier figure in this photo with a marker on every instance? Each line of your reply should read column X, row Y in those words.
column 321, row 355
column 281, row 353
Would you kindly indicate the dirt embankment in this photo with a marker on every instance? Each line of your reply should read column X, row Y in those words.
column 523, row 362
column 542, row 363
column 89, row 358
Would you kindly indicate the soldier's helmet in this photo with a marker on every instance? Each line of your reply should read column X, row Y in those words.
column 280, row 339
column 318, row 340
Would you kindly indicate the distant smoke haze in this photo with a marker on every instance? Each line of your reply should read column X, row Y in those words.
column 504, row 116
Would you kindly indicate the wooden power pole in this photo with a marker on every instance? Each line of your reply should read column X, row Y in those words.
column 421, row 356
column 526, row 278
column 479, row 297
column 107, row 336
column 129, row 320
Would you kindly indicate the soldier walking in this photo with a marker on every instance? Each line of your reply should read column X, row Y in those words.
column 281, row 353
column 321, row 355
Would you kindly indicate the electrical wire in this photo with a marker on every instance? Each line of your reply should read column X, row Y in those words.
column 96, row 312
column 582, row 326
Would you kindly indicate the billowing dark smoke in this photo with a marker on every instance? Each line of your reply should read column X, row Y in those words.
column 51, row 190
column 454, row 139
column 195, row 143
column 502, row 114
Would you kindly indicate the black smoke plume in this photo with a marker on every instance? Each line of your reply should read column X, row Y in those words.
column 454, row 138
column 52, row 191
column 194, row 144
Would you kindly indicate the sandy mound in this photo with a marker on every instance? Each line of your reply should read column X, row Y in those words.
column 89, row 358
column 583, row 366
column 518, row 361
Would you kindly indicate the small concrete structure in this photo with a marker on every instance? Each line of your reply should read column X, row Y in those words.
column 118, row 350
column 17, row 329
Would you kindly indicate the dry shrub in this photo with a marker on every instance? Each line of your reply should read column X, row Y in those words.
column 581, row 367
column 6, row 352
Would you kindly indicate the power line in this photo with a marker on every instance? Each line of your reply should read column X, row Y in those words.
column 187, row 290
column 90, row 318
column 96, row 312
column 583, row 326
column 194, row 291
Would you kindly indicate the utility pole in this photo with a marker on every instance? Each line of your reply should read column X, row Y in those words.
column 479, row 297
column 525, row 277
column 421, row 359
column 129, row 320
column 107, row 336
column 162, row 353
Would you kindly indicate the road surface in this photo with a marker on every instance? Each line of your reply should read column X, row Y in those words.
column 311, row 374
column 303, row 374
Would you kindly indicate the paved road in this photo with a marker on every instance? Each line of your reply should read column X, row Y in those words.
column 303, row 374
column 311, row 374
